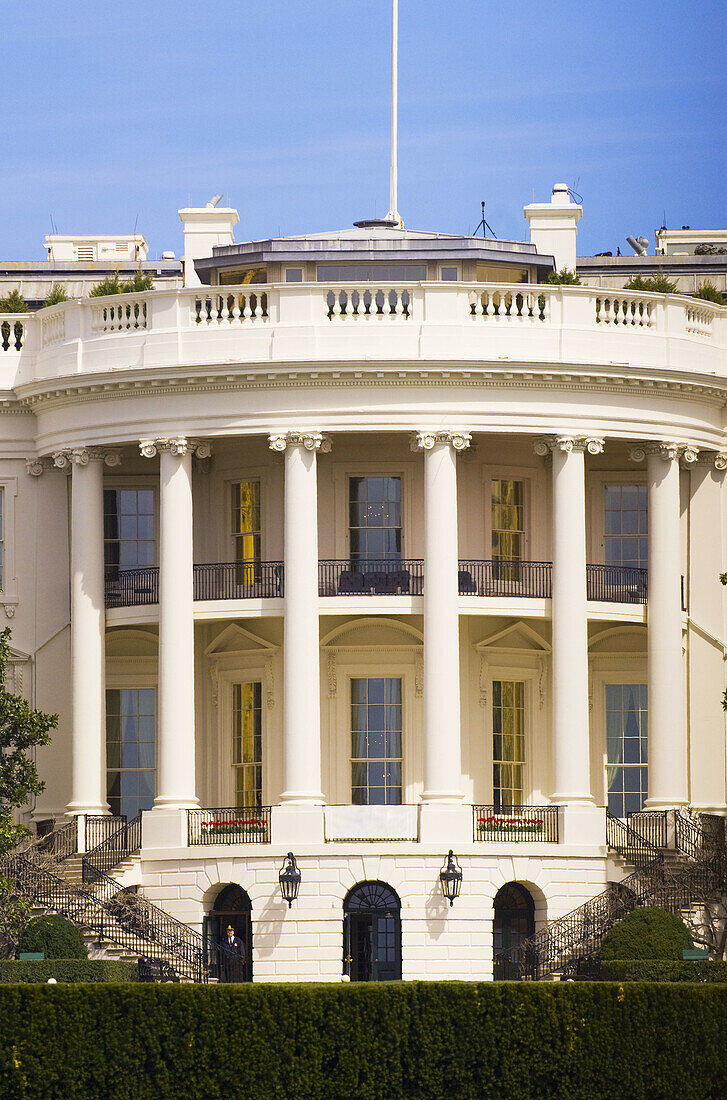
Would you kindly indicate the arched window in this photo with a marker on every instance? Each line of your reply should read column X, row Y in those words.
column 372, row 933
column 232, row 909
column 514, row 922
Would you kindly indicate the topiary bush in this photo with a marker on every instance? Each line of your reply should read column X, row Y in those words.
column 55, row 936
column 646, row 934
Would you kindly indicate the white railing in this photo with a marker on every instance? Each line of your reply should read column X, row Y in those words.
column 213, row 307
column 52, row 328
column 624, row 309
column 125, row 315
column 14, row 330
column 699, row 320
column 368, row 302
column 511, row 303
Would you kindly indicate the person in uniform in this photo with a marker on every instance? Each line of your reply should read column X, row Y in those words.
column 232, row 957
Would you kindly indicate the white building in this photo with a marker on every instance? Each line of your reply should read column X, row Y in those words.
column 358, row 550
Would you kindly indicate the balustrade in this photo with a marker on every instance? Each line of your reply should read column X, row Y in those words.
column 699, row 320
column 625, row 310
column 125, row 315
column 385, row 577
column 511, row 303
column 366, row 302
column 229, row 825
column 234, row 306
column 523, row 824
column 13, row 332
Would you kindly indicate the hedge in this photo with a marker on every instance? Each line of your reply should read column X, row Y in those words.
column 663, row 970
column 68, row 970
column 55, row 936
column 647, row 933
column 465, row 1040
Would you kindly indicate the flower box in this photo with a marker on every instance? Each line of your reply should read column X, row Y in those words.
column 504, row 824
column 234, row 826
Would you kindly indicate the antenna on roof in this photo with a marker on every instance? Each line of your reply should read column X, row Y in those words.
column 393, row 214
column 483, row 224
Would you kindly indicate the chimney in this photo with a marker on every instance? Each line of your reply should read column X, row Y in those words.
column 553, row 226
column 205, row 227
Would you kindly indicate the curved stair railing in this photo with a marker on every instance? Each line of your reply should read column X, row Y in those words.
column 699, row 872
column 101, row 905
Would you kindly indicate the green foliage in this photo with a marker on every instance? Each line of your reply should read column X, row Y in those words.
column 564, row 277
column 652, row 284
column 68, row 970
column 646, row 934
column 56, row 296
column 55, row 936
column 113, row 284
column 419, row 1040
column 13, row 302
column 664, row 970
column 708, row 293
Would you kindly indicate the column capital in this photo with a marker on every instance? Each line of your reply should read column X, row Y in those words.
column 425, row 440
column 547, row 444
column 177, row 445
column 81, row 456
column 669, row 450
column 310, row 441
column 38, row 466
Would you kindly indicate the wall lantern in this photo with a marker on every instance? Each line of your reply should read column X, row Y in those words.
column 450, row 878
column 289, row 879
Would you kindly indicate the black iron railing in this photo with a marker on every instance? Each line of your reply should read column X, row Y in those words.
column 238, row 581
column 670, row 886
column 616, row 584
column 651, row 824
column 113, row 849
column 131, row 587
column 523, row 824
column 99, row 829
column 229, row 825
column 505, row 578
column 59, row 844
column 371, row 577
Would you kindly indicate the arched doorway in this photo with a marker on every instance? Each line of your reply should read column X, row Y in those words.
column 514, row 922
column 372, row 933
column 232, row 906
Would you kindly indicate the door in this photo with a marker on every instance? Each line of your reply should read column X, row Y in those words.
column 372, row 933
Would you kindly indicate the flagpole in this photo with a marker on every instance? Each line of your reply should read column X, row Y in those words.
column 393, row 214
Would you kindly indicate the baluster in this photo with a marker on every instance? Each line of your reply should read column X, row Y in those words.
column 337, row 303
column 224, row 311
column 246, row 312
column 490, row 309
column 235, row 311
column 546, row 307
column 397, row 309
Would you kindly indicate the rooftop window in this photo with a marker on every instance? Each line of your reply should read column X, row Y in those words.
column 371, row 273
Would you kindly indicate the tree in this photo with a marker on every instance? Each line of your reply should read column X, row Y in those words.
column 113, row 284
column 708, row 293
column 708, row 926
column 652, row 284
column 13, row 303
column 564, row 277
column 56, row 296
column 22, row 728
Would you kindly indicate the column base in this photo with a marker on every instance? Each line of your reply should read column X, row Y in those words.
column 78, row 809
column 583, row 824
column 302, row 798
column 666, row 803
column 447, row 824
column 164, row 827
column 171, row 803
column 296, row 823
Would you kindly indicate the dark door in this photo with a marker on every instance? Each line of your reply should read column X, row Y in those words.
column 232, row 908
column 372, row 934
column 514, row 922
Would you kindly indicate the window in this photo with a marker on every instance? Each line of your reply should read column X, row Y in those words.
column 371, row 273
column 626, row 525
column 294, row 274
column 247, row 743
column 376, row 741
column 627, row 772
column 508, row 743
column 374, row 519
column 246, row 527
column 129, row 528
column 507, row 519
column 450, row 274
column 130, row 761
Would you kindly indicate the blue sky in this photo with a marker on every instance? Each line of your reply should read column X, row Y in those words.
column 116, row 115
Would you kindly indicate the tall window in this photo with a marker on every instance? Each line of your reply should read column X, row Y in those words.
column 627, row 772
column 626, row 525
column 130, row 762
column 247, row 743
column 508, row 742
column 374, row 519
column 246, row 527
column 376, row 741
column 129, row 528
column 507, row 519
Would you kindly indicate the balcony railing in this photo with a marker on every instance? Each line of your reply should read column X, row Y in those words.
column 372, row 577
column 520, row 824
column 229, row 825
column 131, row 587
column 261, row 580
column 616, row 584
column 505, row 578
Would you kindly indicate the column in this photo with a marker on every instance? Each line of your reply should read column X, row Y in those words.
column 667, row 750
column 571, row 740
column 175, row 779
column 442, row 744
column 301, row 662
column 88, row 628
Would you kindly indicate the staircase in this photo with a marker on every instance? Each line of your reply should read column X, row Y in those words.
column 676, row 879
column 118, row 919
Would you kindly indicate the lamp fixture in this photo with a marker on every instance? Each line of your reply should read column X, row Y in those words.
column 289, row 879
column 450, row 878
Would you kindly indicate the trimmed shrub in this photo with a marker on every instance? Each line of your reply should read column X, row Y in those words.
column 663, row 970
column 646, row 934
column 56, row 296
column 13, row 302
column 68, row 970
column 376, row 1041
column 564, row 277
column 653, row 284
column 708, row 293
column 113, row 284
column 55, row 936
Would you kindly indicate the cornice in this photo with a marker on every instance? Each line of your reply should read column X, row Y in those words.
column 221, row 379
